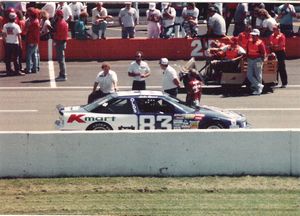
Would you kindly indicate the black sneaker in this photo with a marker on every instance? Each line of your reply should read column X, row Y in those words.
column 59, row 79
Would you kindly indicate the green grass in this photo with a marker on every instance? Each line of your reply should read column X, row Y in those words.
column 152, row 196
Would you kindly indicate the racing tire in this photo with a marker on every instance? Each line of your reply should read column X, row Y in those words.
column 99, row 126
column 214, row 126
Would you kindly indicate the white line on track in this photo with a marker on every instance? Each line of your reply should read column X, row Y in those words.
column 17, row 111
column 264, row 109
column 51, row 65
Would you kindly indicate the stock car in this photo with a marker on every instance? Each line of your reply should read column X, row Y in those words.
column 144, row 110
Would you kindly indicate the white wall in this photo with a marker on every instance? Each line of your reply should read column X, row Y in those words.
column 159, row 153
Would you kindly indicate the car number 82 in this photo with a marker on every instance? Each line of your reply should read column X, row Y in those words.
column 150, row 122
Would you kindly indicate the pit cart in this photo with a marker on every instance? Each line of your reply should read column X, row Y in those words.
column 234, row 73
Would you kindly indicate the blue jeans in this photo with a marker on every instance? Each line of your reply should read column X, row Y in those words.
column 128, row 31
column 31, row 57
column 60, row 56
column 254, row 73
column 101, row 27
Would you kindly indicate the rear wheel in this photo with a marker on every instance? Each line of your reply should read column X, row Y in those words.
column 99, row 126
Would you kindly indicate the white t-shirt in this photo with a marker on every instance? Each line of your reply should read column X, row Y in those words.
column 141, row 68
column 194, row 13
column 168, row 76
column 106, row 83
column 217, row 23
column 12, row 31
column 96, row 13
column 45, row 25
column 76, row 9
column 169, row 22
column 128, row 17
column 50, row 8
column 269, row 23
column 67, row 11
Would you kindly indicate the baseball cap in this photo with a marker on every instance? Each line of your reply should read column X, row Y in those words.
column 255, row 32
column 164, row 61
column 164, row 5
column 152, row 6
column 59, row 13
column 12, row 15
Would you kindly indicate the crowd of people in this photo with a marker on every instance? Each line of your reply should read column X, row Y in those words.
column 59, row 21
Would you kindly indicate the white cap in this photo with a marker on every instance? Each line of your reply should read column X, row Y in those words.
column 164, row 5
column 12, row 15
column 152, row 5
column 164, row 61
column 255, row 32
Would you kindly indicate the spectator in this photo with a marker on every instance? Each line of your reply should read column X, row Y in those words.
column 256, row 53
column 256, row 22
column 240, row 16
column 139, row 70
column 168, row 20
column 286, row 12
column 22, row 23
column 106, row 80
column 99, row 21
column 12, row 42
column 229, row 13
column 190, row 20
column 76, row 9
column 171, row 81
column 32, row 41
column 68, row 16
column 128, row 20
column 80, row 27
column 60, row 40
column 218, row 6
column 277, row 45
column 244, row 37
column 216, row 26
column 153, row 17
column 267, row 24
column 46, row 28
column 178, row 6
column 50, row 8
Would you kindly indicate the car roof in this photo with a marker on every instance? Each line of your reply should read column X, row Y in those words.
column 139, row 93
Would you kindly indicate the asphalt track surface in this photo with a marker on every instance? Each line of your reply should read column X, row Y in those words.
column 28, row 102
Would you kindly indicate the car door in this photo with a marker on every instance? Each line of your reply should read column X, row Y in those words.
column 154, row 113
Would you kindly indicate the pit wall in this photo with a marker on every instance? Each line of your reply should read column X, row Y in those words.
column 150, row 153
column 122, row 49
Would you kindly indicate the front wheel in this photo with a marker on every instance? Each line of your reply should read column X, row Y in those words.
column 99, row 126
column 214, row 126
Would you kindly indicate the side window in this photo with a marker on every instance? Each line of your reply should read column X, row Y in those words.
column 155, row 105
column 115, row 106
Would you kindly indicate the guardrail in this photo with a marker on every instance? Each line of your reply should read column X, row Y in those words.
column 150, row 153
column 122, row 49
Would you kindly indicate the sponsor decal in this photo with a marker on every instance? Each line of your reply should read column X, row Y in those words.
column 133, row 105
column 126, row 127
column 79, row 118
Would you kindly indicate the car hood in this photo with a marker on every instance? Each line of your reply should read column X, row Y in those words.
column 222, row 113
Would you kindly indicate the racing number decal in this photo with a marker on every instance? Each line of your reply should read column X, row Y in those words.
column 148, row 122
column 198, row 46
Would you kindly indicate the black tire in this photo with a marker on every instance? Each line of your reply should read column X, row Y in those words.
column 214, row 126
column 99, row 126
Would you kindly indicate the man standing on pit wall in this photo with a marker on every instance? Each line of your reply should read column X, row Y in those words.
column 99, row 21
column 128, row 17
column 277, row 45
column 153, row 17
column 139, row 70
column 256, row 54
column 171, row 81
column 60, row 41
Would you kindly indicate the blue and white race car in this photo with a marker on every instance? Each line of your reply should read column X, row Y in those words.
column 144, row 110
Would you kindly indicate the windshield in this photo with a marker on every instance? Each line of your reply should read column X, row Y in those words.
column 180, row 104
column 96, row 103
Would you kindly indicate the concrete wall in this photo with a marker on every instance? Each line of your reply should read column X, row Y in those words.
column 155, row 153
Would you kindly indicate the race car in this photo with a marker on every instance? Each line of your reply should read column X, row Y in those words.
column 144, row 110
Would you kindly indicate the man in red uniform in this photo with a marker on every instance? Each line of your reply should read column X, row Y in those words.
column 32, row 30
column 277, row 45
column 60, row 38
column 244, row 37
column 194, row 89
column 256, row 54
